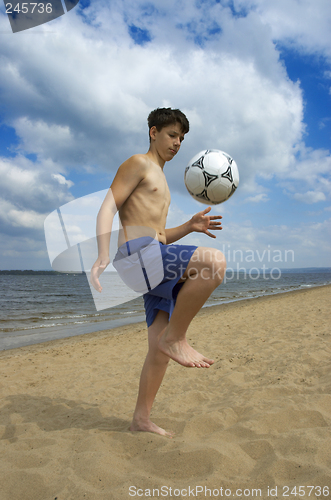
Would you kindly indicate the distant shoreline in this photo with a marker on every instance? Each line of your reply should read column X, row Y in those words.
column 28, row 272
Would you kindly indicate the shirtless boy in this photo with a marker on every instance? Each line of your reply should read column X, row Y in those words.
column 141, row 195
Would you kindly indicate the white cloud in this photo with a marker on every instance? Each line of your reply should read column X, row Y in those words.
column 42, row 139
column 301, row 24
column 26, row 219
column 308, row 168
column 258, row 198
column 30, row 184
column 310, row 197
column 11, row 215
column 27, row 192
column 62, row 180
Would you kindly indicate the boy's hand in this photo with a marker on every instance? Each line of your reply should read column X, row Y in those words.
column 201, row 222
column 97, row 269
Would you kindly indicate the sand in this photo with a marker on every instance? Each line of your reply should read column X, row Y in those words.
column 258, row 419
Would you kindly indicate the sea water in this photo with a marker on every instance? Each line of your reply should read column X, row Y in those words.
column 40, row 307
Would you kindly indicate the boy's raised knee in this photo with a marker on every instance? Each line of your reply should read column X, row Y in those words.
column 208, row 263
column 214, row 264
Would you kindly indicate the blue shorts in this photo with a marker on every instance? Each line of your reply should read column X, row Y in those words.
column 159, row 266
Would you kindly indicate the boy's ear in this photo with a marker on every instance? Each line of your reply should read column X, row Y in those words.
column 152, row 132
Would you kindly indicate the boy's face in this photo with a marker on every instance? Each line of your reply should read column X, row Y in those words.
column 167, row 141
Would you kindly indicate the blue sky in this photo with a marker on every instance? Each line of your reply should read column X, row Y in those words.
column 253, row 77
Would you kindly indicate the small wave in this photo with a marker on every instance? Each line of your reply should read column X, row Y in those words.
column 70, row 316
column 30, row 327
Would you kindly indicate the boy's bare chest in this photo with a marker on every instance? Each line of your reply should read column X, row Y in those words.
column 155, row 186
column 149, row 203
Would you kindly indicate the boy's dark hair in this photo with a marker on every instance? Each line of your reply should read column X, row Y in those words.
column 162, row 117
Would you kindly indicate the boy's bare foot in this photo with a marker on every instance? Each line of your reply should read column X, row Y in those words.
column 148, row 426
column 183, row 353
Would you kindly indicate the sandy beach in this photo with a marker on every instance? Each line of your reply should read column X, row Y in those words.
column 258, row 419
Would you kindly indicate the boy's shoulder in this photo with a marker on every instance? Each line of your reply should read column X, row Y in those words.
column 137, row 161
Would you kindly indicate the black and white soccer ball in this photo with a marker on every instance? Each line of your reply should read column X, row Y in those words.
column 211, row 176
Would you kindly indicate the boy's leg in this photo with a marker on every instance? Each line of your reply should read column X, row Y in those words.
column 152, row 374
column 204, row 273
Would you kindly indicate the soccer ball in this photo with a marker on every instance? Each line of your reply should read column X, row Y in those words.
column 211, row 176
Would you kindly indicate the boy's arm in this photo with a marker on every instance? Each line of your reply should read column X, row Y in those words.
column 104, row 224
column 200, row 222
column 128, row 176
